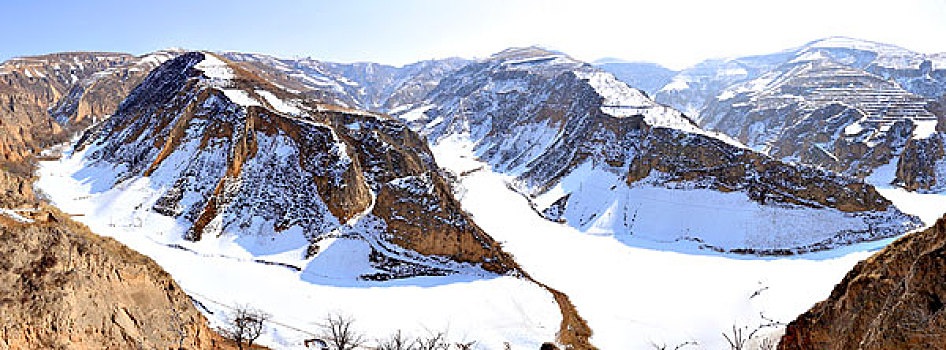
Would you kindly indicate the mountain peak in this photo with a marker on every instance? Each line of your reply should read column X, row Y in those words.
column 607, row 60
column 518, row 53
column 857, row 44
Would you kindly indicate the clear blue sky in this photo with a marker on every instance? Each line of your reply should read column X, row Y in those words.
column 676, row 33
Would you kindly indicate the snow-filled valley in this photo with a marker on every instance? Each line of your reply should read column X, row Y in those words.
column 583, row 204
column 226, row 271
column 637, row 293
column 633, row 293
column 642, row 263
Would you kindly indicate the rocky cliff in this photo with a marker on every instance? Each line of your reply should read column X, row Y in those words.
column 892, row 300
column 47, row 98
column 239, row 155
column 63, row 287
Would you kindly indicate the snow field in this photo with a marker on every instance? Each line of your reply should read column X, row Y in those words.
column 229, row 270
column 633, row 296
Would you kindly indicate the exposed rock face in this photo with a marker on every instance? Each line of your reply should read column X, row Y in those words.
column 842, row 104
column 922, row 165
column 893, row 300
column 686, row 157
column 565, row 129
column 64, row 287
column 230, row 153
column 44, row 99
column 310, row 167
column 367, row 86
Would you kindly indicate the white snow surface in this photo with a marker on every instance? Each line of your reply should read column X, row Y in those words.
column 634, row 296
column 614, row 91
column 887, row 55
column 415, row 113
column 924, row 128
column 220, row 77
column 927, row 206
column 678, row 83
column 279, row 104
column 241, row 97
column 655, row 215
column 214, row 68
column 12, row 214
column 810, row 56
column 225, row 270
column 621, row 100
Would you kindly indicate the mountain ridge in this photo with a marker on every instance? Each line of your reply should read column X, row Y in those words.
column 831, row 103
column 549, row 120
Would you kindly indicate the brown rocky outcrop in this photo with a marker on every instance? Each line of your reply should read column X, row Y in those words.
column 697, row 158
column 64, row 287
column 916, row 169
column 61, row 286
column 892, row 300
column 45, row 99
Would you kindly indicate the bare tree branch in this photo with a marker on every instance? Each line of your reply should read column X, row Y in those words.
column 397, row 341
column 339, row 333
column 245, row 326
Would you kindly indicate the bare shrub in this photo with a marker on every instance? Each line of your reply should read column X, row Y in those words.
column 338, row 332
column 397, row 341
column 245, row 326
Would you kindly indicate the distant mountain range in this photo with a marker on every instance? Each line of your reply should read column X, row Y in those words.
column 842, row 104
column 649, row 77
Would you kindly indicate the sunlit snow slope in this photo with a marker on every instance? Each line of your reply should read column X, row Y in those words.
column 247, row 194
column 634, row 296
column 591, row 152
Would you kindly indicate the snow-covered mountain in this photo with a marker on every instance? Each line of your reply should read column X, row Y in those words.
column 693, row 87
column 228, row 154
column 48, row 97
column 364, row 85
column 223, row 166
column 841, row 104
column 648, row 77
column 589, row 151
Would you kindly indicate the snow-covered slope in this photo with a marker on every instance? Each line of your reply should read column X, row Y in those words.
column 693, row 87
column 649, row 77
column 589, row 151
column 220, row 273
column 220, row 175
column 363, row 85
column 225, row 163
column 636, row 294
column 46, row 98
column 842, row 104
column 918, row 73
